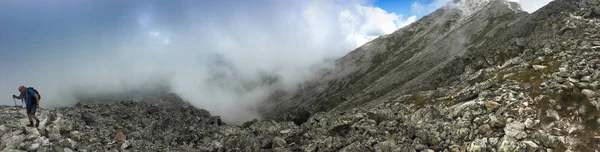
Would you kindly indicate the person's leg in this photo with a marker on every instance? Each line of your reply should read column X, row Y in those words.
column 28, row 107
column 33, row 110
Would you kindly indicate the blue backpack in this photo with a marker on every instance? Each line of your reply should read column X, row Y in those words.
column 36, row 92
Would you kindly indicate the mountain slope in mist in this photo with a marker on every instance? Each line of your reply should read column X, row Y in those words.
column 422, row 56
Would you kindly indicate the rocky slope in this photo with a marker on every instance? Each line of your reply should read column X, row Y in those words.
column 519, row 82
column 422, row 56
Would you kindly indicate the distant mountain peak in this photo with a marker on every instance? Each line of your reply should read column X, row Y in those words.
column 471, row 6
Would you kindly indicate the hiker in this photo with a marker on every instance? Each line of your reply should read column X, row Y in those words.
column 31, row 103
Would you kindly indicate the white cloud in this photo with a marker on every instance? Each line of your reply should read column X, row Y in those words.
column 212, row 53
column 420, row 7
column 532, row 5
column 364, row 23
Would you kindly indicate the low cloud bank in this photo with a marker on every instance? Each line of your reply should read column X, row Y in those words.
column 224, row 56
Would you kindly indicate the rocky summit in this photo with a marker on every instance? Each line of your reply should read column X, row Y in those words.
column 471, row 76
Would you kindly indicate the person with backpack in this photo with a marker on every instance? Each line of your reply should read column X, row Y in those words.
column 32, row 99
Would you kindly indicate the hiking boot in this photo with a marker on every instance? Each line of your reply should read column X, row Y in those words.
column 29, row 125
column 37, row 124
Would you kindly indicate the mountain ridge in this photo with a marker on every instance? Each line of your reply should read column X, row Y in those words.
column 407, row 47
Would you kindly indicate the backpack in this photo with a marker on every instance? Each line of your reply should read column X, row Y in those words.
column 36, row 92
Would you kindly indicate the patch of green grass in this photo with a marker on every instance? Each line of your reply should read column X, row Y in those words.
column 533, row 78
column 574, row 98
column 421, row 100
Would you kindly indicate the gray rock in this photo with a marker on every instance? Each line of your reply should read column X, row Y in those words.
column 383, row 146
column 491, row 105
column 34, row 147
column 75, row 135
column 595, row 86
column 563, row 70
column 547, row 51
column 529, row 124
column 547, row 140
column 563, row 74
column 568, row 85
column 581, row 110
column 43, row 149
column 559, row 79
column 552, row 114
column 14, row 142
column 478, row 145
column 493, row 141
column 485, row 128
column 280, row 149
column 354, row 147
column 596, row 10
column 279, row 142
column 509, row 144
column 530, row 144
column 539, row 67
column 497, row 121
column 583, row 85
column 586, row 79
column 67, row 143
column 573, row 80
column 125, row 144
column 515, row 130
column 589, row 93
column 552, row 102
column 54, row 137
column 3, row 129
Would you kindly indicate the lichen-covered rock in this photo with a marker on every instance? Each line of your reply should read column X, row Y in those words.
column 508, row 144
column 478, row 145
column 589, row 93
column 279, row 142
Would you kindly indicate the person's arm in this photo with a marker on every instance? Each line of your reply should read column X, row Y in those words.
column 17, row 97
column 37, row 100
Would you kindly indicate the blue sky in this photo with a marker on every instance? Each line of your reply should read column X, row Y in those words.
column 397, row 6
column 212, row 53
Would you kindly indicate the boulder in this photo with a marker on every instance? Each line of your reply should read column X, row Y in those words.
column 508, row 144
column 586, row 79
column 539, row 67
column 529, row 124
column 478, row 145
column 589, row 93
column 125, row 144
column 552, row 114
column 530, row 144
column 278, row 142
column 515, row 130
column 497, row 121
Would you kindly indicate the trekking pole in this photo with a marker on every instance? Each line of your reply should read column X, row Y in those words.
column 15, row 101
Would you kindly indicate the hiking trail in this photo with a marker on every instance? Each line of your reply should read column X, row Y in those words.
column 13, row 140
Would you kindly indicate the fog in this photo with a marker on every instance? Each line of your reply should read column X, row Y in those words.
column 223, row 56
